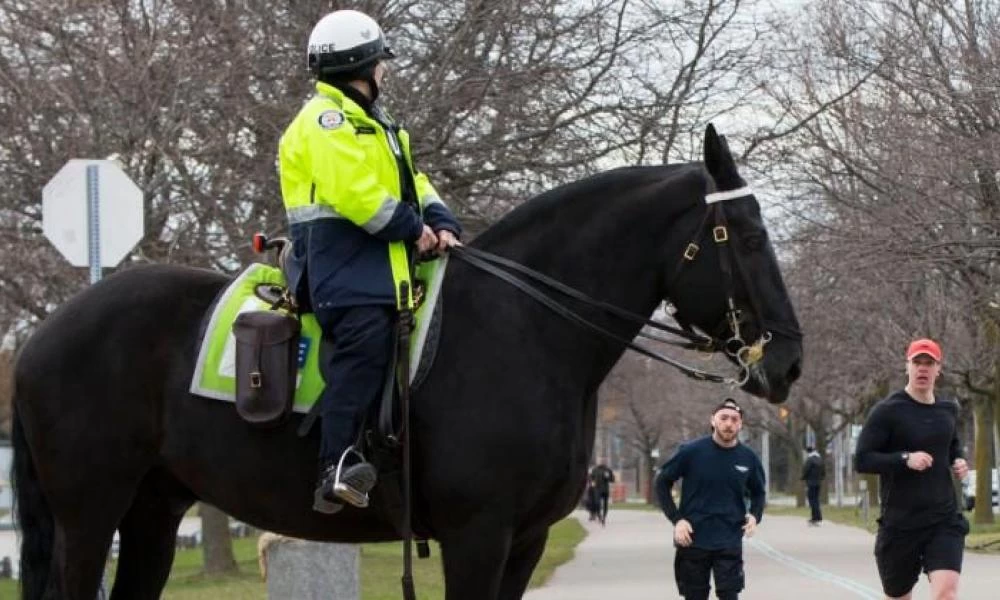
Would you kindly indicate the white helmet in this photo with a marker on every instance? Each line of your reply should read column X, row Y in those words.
column 345, row 40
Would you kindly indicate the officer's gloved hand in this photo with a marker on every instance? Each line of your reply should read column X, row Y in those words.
column 446, row 239
column 427, row 241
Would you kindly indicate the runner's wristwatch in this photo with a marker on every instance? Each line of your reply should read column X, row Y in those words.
column 906, row 457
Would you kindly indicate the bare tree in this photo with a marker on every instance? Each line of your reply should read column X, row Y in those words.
column 504, row 99
column 217, row 545
column 897, row 144
column 6, row 391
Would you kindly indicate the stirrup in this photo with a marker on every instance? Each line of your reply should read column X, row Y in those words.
column 354, row 488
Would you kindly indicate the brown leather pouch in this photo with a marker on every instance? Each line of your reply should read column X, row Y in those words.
column 267, row 346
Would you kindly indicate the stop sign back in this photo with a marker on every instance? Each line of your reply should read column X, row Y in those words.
column 67, row 216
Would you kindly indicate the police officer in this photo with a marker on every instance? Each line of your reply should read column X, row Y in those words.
column 357, row 208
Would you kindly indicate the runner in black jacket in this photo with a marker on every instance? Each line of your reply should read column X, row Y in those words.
column 910, row 439
column 718, row 473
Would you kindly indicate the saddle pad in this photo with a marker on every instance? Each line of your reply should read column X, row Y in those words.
column 215, row 367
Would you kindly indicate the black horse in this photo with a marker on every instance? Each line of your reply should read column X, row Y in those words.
column 107, row 436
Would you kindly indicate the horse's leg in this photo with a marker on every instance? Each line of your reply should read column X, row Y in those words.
column 82, row 541
column 148, row 537
column 77, row 564
column 474, row 556
column 524, row 555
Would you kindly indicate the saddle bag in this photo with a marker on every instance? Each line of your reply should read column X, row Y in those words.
column 267, row 347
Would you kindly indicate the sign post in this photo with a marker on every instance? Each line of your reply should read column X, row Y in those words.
column 93, row 223
column 92, row 213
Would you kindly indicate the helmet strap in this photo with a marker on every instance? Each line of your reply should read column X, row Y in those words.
column 342, row 80
column 374, row 86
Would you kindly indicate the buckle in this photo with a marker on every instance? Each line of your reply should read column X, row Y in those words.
column 720, row 233
column 419, row 289
column 691, row 251
column 255, row 379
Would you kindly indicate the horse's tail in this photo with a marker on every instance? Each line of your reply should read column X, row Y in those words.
column 32, row 513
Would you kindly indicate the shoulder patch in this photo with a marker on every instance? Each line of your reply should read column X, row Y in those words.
column 330, row 119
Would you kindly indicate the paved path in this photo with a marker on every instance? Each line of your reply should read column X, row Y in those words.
column 631, row 559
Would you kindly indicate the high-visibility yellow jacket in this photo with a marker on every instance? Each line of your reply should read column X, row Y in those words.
column 354, row 202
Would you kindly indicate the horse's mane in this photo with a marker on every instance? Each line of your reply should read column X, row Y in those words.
column 566, row 200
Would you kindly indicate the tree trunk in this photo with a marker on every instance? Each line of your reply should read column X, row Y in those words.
column 996, row 421
column 647, row 473
column 983, row 511
column 872, row 480
column 822, row 441
column 793, row 479
column 217, row 544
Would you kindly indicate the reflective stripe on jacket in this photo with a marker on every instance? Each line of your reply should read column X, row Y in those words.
column 343, row 192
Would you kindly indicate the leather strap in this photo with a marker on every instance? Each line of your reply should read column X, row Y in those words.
column 473, row 259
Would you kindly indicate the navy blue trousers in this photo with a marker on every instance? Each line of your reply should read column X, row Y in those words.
column 812, row 495
column 354, row 371
column 694, row 566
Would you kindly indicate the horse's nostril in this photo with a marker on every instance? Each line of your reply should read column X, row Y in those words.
column 794, row 371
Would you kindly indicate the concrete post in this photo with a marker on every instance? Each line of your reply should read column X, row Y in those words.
column 302, row 570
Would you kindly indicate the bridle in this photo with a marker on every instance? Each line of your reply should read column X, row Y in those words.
column 745, row 354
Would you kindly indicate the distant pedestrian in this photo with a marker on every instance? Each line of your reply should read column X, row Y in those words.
column 911, row 440
column 717, row 474
column 601, row 477
column 813, row 473
column 592, row 501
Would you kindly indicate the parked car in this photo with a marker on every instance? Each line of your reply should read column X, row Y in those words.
column 969, row 489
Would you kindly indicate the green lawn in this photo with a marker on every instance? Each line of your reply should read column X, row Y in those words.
column 632, row 506
column 982, row 538
column 381, row 569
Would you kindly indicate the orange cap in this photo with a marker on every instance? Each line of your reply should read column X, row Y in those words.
column 924, row 346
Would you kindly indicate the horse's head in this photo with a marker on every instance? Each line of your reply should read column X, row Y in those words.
column 727, row 282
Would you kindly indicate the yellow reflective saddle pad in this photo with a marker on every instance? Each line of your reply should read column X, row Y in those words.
column 215, row 368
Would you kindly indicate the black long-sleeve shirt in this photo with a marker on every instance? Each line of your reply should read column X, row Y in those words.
column 813, row 471
column 716, row 482
column 897, row 424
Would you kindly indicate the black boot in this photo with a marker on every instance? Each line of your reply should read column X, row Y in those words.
column 323, row 498
column 356, row 479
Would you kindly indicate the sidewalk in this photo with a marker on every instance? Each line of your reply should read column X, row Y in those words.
column 632, row 559
column 627, row 560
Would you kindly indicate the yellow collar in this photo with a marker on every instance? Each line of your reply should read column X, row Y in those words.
column 342, row 100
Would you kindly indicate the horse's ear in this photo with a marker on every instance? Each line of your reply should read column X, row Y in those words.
column 718, row 159
column 713, row 150
column 725, row 144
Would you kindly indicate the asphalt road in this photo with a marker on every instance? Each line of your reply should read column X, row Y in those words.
column 632, row 559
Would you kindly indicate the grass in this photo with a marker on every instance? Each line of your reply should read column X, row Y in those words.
column 381, row 569
column 983, row 538
column 845, row 515
column 633, row 506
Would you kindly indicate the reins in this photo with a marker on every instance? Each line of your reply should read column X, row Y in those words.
column 487, row 262
column 745, row 354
